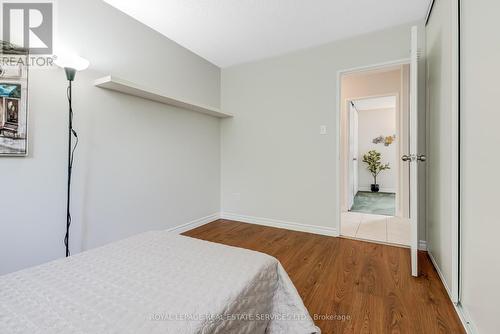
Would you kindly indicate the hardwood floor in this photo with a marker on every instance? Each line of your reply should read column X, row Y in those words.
column 367, row 286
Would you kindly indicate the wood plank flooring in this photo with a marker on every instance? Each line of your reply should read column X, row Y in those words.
column 354, row 286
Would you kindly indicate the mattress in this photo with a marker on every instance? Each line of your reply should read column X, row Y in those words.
column 155, row 282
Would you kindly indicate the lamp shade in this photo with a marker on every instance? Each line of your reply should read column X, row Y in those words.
column 73, row 61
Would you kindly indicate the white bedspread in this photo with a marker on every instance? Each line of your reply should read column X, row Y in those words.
column 156, row 282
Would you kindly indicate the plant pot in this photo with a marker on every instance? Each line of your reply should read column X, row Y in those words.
column 375, row 188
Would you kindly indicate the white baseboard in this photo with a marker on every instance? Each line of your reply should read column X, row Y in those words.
column 459, row 308
column 329, row 231
column 440, row 274
column 464, row 316
column 195, row 223
column 382, row 190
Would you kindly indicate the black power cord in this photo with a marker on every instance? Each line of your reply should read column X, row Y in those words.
column 71, row 155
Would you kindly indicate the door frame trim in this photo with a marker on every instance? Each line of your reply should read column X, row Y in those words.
column 456, row 149
column 338, row 137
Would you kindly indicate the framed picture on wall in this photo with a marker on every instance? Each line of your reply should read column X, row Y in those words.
column 11, row 71
column 13, row 102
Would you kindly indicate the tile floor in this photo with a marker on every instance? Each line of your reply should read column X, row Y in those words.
column 374, row 203
column 386, row 229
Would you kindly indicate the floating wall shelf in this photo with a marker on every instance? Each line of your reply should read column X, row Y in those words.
column 130, row 88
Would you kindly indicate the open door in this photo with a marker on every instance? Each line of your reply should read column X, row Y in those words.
column 413, row 158
column 353, row 154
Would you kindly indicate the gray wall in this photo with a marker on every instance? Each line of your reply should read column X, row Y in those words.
column 275, row 164
column 480, row 160
column 140, row 165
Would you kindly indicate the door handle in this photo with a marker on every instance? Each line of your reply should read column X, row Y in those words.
column 406, row 158
column 422, row 158
column 413, row 157
column 354, row 159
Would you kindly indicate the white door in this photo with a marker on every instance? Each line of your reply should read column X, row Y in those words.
column 413, row 157
column 353, row 154
column 355, row 149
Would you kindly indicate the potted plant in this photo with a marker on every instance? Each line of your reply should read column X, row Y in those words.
column 374, row 166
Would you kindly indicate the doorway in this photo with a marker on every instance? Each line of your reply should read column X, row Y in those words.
column 375, row 196
column 409, row 148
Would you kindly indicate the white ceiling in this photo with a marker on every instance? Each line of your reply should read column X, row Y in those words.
column 228, row 32
column 387, row 102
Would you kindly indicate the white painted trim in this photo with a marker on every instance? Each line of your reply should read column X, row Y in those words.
column 469, row 326
column 455, row 153
column 382, row 190
column 329, row 231
column 422, row 245
column 441, row 276
column 194, row 223
column 403, row 61
column 337, row 137
column 413, row 145
column 464, row 316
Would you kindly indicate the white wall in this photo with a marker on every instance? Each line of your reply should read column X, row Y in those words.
column 439, row 163
column 372, row 124
column 480, row 263
column 140, row 165
column 275, row 164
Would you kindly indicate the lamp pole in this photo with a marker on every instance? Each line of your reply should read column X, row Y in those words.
column 70, row 75
column 70, row 63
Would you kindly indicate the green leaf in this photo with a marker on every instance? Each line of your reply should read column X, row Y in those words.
column 374, row 165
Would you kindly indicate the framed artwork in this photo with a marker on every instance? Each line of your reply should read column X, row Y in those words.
column 14, row 71
column 14, row 106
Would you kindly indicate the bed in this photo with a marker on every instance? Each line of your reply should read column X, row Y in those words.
column 155, row 282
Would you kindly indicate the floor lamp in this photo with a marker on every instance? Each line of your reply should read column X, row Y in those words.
column 71, row 64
